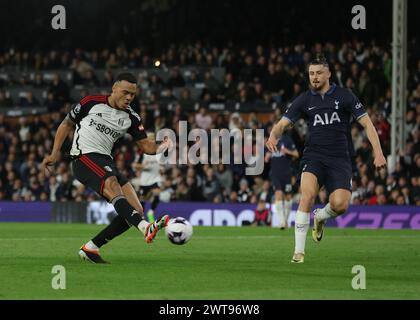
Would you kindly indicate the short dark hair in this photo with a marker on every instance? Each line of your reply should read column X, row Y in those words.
column 319, row 60
column 127, row 76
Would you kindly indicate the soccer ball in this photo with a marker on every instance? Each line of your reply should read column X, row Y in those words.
column 179, row 230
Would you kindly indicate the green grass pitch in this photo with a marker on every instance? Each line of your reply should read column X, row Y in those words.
column 218, row 263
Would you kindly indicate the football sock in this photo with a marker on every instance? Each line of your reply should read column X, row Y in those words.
column 326, row 213
column 126, row 211
column 279, row 205
column 142, row 226
column 288, row 209
column 301, row 228
column 117, row 226
column 91, row 246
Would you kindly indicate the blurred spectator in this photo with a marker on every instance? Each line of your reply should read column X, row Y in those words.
column 244, row 193
column 5, row 101
column 185, row 100
column 91, row 80
column 224, row 176
column 211, row 186
column 262, row 215
column 175, row 79
column 59, row 89
column 167, row 191
column 81, row 70
column 212, row 85
column 29, row 100
column 203, row 119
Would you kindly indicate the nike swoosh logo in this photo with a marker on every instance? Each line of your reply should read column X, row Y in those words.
column 311, row 108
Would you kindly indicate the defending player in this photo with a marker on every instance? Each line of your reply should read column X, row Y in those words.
column 281, row 177
column 100, row 121
column 326, row 160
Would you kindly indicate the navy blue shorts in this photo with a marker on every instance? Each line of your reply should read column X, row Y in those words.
column 332, row 172
column 281, row 182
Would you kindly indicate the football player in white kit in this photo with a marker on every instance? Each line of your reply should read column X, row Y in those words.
column 100, row 121
column 150, row 180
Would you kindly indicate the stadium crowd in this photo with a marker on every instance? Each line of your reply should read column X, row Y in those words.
column 273, row 76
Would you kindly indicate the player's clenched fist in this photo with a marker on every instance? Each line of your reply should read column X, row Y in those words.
column 49, row 161
column 380, row 161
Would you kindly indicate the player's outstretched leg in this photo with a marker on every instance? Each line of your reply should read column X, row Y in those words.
column 153, row 228
column 129, row 207
column 148, row 230
column 309, row 189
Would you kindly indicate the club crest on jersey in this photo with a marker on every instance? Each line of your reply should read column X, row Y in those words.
column 120, row 122
column 319, row 120
column 336, row 104
column 77, row 108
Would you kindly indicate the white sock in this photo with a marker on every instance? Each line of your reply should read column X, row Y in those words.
column 326, row 213
column 280, row 211
column 288, row 209
column 142, row 226
column 91, row 246
column 301, row 228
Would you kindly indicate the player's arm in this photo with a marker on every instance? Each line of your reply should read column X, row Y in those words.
column 277, row 132
column 291, row 115
column 146, row 145
column 372, row 135
column 359, row 113
column 150, row 147
column 63, row 131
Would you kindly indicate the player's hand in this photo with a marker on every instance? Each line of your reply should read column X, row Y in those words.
column 271, row 144
column 380, row 161
column 49, row 162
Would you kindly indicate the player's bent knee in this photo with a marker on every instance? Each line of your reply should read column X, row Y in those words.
column 339, row 206
column 112, row 188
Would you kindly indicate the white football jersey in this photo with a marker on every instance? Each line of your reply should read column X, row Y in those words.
column 150, row 173
column 99, row 126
